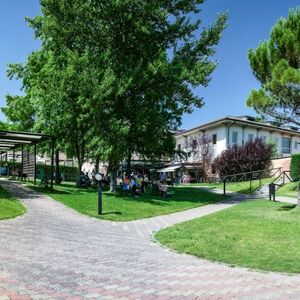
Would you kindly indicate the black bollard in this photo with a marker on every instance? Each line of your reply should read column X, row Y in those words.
column 99, row 197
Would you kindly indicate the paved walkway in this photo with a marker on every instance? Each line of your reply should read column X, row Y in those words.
column 52, row 252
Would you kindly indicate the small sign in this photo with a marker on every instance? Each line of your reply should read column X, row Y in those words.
column 98, row 177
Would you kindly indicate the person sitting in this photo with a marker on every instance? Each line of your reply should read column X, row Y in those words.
column 124, row 188
column 134, row 187
column 164, row 189
column 145, row 183
column 84, row 180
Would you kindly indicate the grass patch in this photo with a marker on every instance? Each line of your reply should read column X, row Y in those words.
column 124, row 208
column 255, row 234
column 9, row 206
column 242, row 187
column 288, row 190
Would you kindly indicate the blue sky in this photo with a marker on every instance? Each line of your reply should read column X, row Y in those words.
column 249, row 23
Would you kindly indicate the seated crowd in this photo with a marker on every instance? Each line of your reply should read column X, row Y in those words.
column 134, row 184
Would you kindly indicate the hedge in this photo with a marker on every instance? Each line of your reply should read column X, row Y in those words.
column 253, row 156
column 70, row 173
column 295, row 167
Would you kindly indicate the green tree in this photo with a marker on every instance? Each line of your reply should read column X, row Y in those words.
column 276, row 64
column 113, row 78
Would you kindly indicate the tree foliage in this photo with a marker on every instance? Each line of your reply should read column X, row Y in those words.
column 276, row 65
column 253, row 156
column 202, row 150
column 295, row 167
column 113, row 78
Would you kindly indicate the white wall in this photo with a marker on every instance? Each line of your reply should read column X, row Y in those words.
column 243, row 136
column 221, row 139
column 219, row 147
column 277, row 139
column 295, row 140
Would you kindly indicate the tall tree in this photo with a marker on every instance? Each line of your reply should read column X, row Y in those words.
column 276, row 64
column 203, row 152
column 113, row 78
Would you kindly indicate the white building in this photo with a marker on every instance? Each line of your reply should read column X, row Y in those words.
column 229, row 131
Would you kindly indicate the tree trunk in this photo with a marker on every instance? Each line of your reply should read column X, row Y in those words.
column 97, row 165
column 113, row 181
column 78, row 181
column 128, row 166
column 57, row 172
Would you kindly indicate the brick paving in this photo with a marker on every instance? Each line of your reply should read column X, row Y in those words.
column 53, row 252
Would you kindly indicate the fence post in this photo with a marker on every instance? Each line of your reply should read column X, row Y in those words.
column 298, row 203
column 259, row 179
column 272, row 191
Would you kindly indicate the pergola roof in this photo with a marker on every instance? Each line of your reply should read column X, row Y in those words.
column 10, row 140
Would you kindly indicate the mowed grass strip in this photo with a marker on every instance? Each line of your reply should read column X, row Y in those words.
column 118, row 207
column 9, row 206
column 255, row 234
column 288, row 190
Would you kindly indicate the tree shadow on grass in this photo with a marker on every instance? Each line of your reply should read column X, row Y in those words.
column 156, row 201
column 43, row 190
column 287, row 207
column 178, row 195
column 112, row 213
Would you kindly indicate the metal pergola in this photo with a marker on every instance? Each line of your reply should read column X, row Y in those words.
column 17, row 140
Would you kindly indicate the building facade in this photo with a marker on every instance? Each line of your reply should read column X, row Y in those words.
column 230, row 131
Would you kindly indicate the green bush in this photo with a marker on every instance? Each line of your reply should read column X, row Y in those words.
column 295, row 167
column 69, row 173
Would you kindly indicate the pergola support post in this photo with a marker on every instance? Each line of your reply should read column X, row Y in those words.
column 22, row 165
column 34, row 179
column 52, row 162
column 57, row 170
column 14, row 152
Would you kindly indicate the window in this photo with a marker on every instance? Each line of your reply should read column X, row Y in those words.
column 234, row 137
column 264, row 138
column 250, row 137
column 296, row 145
column 179, row 147
column 286, row 145
column 214, row 139
column 213, row 169
column 194, row 144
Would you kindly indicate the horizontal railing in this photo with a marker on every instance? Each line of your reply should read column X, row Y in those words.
column 245, row 176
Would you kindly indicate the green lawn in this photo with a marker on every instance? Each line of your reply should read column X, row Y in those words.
column 9, row 206
column 257, row 234
column 240, row 187
column 289, row 190
column 125, row 208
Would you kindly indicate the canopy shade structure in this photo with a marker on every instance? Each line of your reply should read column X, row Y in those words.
column 13, row 140
column 10, row 140
column 168, row 169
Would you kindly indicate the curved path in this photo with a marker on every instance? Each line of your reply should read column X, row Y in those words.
column 52, row 252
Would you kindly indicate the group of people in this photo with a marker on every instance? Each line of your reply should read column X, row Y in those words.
column 85, row 179
column 135, row 184
column 177, row 179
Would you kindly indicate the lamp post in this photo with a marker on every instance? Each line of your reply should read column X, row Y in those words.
column 99, row 179
column 298, row 202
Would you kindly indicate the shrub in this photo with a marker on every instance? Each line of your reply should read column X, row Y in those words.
column 295, row 167
column 253, row 156
column 70, row 173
